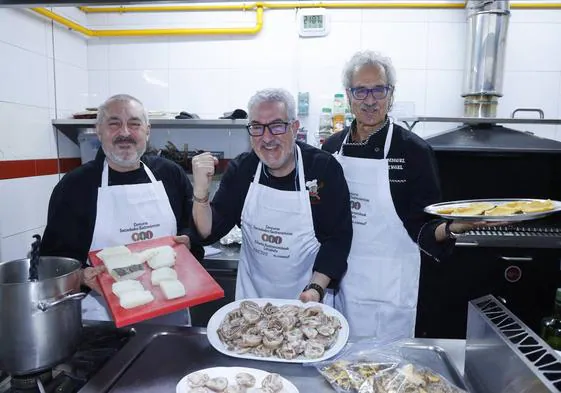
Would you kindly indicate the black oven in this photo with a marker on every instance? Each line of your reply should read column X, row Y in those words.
column 519, row 264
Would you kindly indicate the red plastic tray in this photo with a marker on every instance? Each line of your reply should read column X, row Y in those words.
column 200, row 287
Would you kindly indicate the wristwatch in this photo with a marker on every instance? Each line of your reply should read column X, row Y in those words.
column 449, row 234
column 318, row 288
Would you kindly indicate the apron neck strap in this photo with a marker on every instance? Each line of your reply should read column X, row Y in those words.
column 299, row 168
column 105, row 174
column 345, row 141
column 387, row 142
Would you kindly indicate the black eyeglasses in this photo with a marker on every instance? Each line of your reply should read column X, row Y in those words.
column 275, row 128
column 378, row 92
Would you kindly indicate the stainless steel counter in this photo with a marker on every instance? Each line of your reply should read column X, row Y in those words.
column 223, row 267
column 226, row 259
column 157, row 357
column 455, row 349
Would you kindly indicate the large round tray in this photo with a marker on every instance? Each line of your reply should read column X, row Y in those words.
column 433, row 209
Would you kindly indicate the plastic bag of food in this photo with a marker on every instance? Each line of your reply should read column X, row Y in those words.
column 234, row 236
column 346, row 376
column 370, row 367
column 411, row 378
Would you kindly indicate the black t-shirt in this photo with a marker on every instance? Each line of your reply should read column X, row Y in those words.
column 330, row 209
column 73, row 204
column 414, row 183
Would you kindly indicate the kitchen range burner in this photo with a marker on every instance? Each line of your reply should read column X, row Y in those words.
column 97, row 346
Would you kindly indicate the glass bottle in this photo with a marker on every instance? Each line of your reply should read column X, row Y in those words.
column 325, row 125
column 551, row 325
column 348, row 117
column 338, row 112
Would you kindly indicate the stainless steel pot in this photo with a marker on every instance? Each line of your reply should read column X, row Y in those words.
column 40, row 321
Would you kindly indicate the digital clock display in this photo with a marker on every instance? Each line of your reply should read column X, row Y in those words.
column 313, row 21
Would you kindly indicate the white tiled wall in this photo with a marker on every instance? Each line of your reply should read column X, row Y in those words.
column 33, row 194
column 211, row 75
column 44, row 75
column 54, row 72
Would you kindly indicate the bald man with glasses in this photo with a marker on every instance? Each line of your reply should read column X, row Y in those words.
column 291, row 202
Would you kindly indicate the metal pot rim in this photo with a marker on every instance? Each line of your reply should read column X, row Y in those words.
column 47, row 280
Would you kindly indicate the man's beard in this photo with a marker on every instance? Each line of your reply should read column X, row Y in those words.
column 125, row 162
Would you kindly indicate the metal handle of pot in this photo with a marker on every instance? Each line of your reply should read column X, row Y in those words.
column 537, row 110
column 40, row 386
column 44, row 306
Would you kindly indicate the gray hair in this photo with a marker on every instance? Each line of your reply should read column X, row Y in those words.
column 364, row 59
column 102, row 110
column 274, row 95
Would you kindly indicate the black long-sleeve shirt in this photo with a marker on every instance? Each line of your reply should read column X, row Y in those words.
column 331, row 212
column 413, row 178
column 73, row 204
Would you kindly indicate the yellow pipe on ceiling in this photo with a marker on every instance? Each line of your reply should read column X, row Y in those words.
column 268, row 5
column 320, row 4
column 155, row 32
column 172, row 8
column 536, row 5
column 258, row 6
column 317, row 4
column 63, row 21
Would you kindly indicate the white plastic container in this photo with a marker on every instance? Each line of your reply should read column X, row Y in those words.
column 89, row 144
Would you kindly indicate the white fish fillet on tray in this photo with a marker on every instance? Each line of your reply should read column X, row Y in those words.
column 135, row 298
column 147, row 254
column 159, row 257
column 113, row 251
column 124, row 266
column 121, row 287
column 163, row 274
column 172, row 289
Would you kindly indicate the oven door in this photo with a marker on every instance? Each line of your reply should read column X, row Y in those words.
column 524, row 279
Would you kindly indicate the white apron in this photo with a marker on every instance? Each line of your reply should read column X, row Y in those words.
column 378, row 294
column 280, row 247
column 123, row 211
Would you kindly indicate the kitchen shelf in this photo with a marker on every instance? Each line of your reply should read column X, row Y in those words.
column 71, row 127
column 411, row 122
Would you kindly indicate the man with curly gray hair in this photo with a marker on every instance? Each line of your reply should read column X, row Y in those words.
column 290, row 200
column 392, row 176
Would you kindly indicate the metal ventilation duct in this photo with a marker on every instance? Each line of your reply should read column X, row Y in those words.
column 487, row 23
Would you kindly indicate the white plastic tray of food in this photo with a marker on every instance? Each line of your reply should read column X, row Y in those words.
column 438, row 208
column 219, row 315
column 230, row 374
